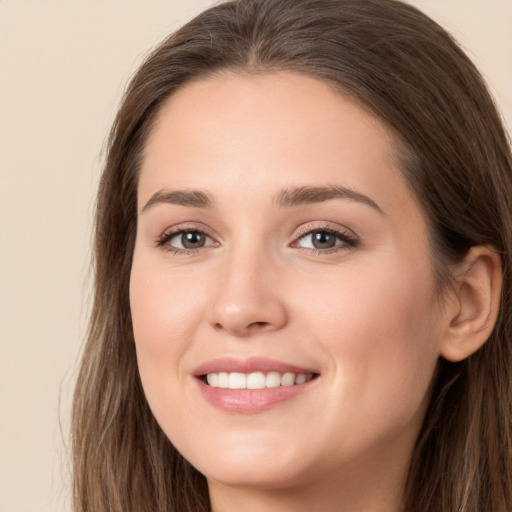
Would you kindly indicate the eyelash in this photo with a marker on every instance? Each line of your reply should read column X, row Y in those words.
column 347, row 240
column 165, row 238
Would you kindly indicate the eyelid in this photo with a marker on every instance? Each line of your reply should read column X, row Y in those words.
column 308, row 227
column 347, row 236
column 163, row 239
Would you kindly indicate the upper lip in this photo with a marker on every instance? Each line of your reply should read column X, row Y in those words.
column 248, row 365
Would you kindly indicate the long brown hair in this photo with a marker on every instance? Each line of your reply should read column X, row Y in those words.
column 389, row 57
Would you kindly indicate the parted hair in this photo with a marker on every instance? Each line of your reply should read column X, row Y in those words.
column 396, row 62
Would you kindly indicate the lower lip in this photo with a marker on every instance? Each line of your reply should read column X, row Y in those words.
column 250, row 401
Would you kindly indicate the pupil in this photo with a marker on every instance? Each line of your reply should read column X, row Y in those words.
column 192, row 240
column 323, row 240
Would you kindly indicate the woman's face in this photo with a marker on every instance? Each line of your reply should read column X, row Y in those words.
column 279, row 245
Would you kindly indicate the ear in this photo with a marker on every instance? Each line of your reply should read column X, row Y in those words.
column 475, row 306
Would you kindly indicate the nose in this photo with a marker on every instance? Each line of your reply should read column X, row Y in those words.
column 248, row 298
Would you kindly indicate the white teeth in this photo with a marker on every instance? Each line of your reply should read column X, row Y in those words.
column 300, row 379
column 213, row 379
column 256, row 380
column 273, row 380
column 288, row 379
column 237, row 381
column 223, row 380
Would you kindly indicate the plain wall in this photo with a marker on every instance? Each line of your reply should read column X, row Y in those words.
column 63, row 68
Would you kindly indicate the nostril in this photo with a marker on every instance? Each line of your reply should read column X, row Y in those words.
column 250, row 318
column 257, row 325
column 252, row 327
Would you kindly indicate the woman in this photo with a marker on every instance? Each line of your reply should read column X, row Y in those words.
column 303, row 243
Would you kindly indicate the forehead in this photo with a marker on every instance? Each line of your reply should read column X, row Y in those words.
column 270, row 130
column 262, row 105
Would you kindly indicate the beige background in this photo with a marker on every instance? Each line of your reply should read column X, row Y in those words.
column 63, row 67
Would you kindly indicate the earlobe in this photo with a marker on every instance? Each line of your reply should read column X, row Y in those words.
column 477, row 292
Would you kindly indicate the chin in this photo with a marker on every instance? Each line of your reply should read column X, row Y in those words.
column 248, row 474
column 251, row 464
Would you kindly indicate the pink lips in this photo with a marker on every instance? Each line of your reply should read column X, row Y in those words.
column 253, row 364
column 249, row 401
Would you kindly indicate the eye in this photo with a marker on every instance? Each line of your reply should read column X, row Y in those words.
column 185, row 240
column 325, row 240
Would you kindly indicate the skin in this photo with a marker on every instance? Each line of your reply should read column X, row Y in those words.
column 365, row 317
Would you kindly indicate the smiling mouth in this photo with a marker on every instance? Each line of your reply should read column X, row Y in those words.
column 252, row 385
column 256, row 380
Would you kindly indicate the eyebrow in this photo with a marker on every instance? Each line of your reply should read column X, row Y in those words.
column 307, row 195
column 287, row 198
column 191, row 198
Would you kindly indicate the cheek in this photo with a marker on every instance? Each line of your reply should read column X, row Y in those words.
column 165, row 310
column 381, row 333
column 164, row 306
column 375, row 307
